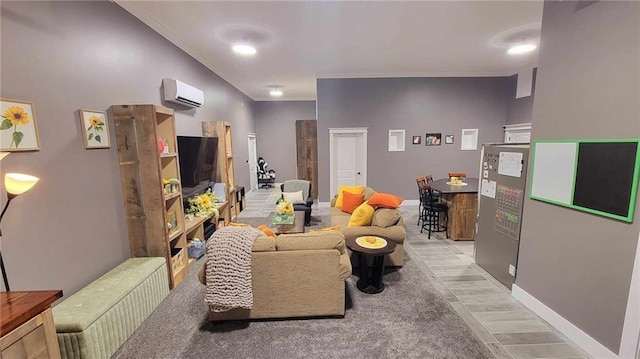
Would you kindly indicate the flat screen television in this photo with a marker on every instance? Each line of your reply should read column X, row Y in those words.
column 198, row 160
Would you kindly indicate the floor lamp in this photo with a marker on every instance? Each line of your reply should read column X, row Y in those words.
column 15, row 184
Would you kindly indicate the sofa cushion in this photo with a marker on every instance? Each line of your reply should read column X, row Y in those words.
column 311, row 241
column 351, row 189
column 339, row 218
column 368, row 192
column 385, row 200
column 362, row 216
column 264, row 244
column 293, row 197
column 385, row 217
column 351, row 201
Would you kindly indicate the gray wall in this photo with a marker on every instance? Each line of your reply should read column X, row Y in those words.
column 276, row 133
column 576, row 263
column 70, row 228
column 418, row 105
column 520, row 110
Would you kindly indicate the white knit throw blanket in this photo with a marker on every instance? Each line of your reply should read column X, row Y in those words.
column 228, row 270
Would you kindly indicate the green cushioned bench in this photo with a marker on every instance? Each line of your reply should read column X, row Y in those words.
column 98, row 319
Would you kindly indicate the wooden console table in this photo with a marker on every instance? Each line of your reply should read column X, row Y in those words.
column 462, row 202
column 26, row 325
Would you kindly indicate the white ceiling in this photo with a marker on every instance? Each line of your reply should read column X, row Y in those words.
column 299, row 41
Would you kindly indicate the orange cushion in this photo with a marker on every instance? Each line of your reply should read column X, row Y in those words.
column 234, row 224
column 351, row 201
column 385, row 200
column 267, row 231
column 350, row 189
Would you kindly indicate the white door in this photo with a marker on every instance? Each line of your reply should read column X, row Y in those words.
column 348, row 158
column 253, row 162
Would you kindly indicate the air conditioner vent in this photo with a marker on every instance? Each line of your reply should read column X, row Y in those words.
column 182, row 93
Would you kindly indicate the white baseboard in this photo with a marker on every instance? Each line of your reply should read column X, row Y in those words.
column 575, row 334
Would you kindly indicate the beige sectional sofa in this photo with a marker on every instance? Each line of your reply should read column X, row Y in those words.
column 394, row 232
column 295, row 275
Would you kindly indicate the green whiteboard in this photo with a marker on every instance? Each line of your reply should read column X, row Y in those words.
column 599, row 176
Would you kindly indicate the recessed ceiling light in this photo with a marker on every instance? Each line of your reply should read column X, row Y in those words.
column 244, row 49
column 521, row 49
column 275, row 93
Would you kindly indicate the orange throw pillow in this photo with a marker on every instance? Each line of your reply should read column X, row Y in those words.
column 267, row 231
column 385, row 200
column 351, row 201
column 234, row 224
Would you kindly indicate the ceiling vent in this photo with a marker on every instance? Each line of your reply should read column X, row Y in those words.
column 179, row 92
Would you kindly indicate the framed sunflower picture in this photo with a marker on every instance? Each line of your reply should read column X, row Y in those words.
column 95, row 131
column 18, row 127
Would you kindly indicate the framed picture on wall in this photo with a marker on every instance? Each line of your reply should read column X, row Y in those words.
column 95, row 131
column 448, row 139
column 432, row 139
column 18, row 127
column 417, row 140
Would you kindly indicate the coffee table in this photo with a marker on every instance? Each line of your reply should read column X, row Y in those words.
column 296, row 227
column 371, row 279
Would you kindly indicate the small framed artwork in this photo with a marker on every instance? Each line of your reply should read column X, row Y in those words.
column 95, row 131
column 448, row 139
column 432, row 139
column 417, row 140
column 18, row 127
column 172, row 222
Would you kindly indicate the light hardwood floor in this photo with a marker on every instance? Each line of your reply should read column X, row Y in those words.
column 503, row 324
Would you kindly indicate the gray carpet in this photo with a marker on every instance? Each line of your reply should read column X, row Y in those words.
column 410, row 319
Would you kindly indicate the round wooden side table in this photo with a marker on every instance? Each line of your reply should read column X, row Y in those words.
column 370, row 280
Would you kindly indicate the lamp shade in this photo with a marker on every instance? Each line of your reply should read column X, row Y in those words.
column 18, row 183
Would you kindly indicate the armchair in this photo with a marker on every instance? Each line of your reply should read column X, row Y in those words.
column 305, row 187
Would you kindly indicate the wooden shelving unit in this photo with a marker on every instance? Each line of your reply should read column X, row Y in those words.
column 142, row 167
column 226, row 171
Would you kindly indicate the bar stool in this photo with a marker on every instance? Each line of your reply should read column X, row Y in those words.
column 431, row 214
column 421, row 181
column 436, row 195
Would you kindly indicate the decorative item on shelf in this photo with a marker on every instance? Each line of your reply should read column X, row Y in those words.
column 18, row 127
column 15, row 184
column 171, row 185
column 284, row 213
column 172, row 222
column 95, row 131
column 163, row 146
column 196, row 248
column 203, row 205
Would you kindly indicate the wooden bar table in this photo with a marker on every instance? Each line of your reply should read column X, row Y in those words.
column 462, row 203
column 26, row 324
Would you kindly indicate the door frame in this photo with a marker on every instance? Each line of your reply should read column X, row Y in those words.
column 332, row 163
column 630, row 341
column 253, row 177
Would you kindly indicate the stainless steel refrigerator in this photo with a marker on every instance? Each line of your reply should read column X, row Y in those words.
column 503, row 175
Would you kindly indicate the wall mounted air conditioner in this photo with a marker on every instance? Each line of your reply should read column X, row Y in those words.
column 179, row 92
